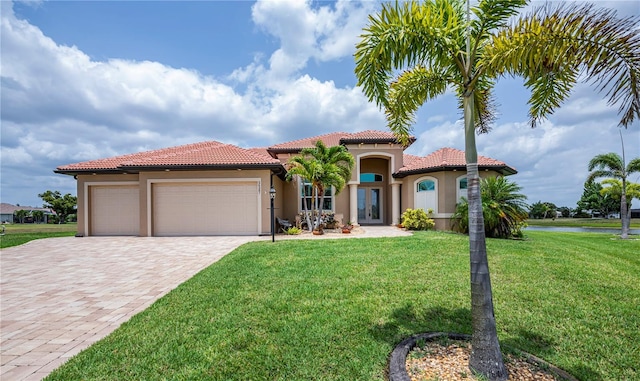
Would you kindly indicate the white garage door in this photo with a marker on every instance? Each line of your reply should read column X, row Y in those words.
column 221, row 208
column 115, row 210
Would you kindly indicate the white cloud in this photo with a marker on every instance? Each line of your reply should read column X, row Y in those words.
column 61, row 106
column 324, row 33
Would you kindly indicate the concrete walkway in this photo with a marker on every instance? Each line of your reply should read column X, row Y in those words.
column 60, row 295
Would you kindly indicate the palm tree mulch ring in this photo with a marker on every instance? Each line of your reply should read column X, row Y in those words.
column 439, row 355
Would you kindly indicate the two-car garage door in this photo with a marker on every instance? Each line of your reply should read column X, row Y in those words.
column 205, row 208
column 177, row 208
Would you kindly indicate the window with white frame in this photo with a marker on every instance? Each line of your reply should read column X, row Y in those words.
column 461, row 187
column 306, row 196
column 426, row 194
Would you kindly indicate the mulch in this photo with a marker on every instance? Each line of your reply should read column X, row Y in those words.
column 450, row 362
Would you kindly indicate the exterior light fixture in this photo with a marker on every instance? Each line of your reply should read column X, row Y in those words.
column 272, row 196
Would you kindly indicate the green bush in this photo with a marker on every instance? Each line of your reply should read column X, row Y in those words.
column 417, row 219
column 293, row 231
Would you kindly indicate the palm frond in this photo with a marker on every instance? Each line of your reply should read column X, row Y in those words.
column 493, row 14
column 607, row 161
column 410, row 91
column 552, row 46
column 633, row 166
column 405, row 35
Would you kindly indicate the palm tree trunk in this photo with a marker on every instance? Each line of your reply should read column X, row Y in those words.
column 486, row 357
column 624, row 216
column 304, row 205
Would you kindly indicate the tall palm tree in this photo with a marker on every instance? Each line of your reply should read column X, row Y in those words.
column 412, row 52
column 611, row 165
column 504, row 209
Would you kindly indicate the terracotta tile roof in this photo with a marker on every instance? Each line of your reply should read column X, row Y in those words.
column 447, row 158
column 373, row 136
column 330, row 140
column 213, row 154
column 210, row 153
column 337, row 138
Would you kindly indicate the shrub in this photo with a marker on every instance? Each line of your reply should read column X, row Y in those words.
column 293, row 231
column 503, row 208
column 417, row 219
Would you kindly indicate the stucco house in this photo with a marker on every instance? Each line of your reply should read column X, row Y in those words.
column 212, row 188
column 7, row 212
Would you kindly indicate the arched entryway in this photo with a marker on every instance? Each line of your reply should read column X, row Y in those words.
column 374, row 194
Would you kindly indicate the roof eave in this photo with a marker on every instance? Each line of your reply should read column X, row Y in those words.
column 502, row 169
column 193, row 167
column 347, row 140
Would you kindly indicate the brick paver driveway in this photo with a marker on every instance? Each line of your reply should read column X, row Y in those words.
column 60, row 295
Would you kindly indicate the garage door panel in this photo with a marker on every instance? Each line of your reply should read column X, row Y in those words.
column 224, row 208
column 115, row 210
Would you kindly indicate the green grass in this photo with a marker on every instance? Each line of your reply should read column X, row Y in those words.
column 584, row 222
column 334, row 309
column 18, row 234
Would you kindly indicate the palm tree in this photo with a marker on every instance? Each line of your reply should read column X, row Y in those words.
column 323, row 167
column 337, row 165
column 309, row 170
column 611, row 165
column 503, row 208
column 413, row 52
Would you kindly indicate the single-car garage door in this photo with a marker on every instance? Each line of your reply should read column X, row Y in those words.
column 216, row 208
column 115, row 210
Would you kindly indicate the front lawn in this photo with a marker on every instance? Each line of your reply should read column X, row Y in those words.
column 334, row 309
column 17, row 234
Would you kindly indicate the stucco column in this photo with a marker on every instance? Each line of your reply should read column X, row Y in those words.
column 353, row 203
column 395, row 203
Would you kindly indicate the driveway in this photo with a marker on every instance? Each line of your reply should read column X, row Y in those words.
column 60, row 295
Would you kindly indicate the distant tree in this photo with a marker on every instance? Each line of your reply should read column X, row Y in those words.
column 592, row 200
column 38, row 216
column 541, row 210
column 62, row 205
column 566, row 211
column 20, row 215
column 503, row 207
column 611, row 165
column 613, row 188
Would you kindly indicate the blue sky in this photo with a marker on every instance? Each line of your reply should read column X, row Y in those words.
column 87, row 80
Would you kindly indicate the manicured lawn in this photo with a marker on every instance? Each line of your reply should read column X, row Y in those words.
column 334, row 309
column 17, row 234
column 584, row 222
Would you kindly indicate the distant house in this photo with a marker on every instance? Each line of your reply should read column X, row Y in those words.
column 212, row 188
column 7, row 212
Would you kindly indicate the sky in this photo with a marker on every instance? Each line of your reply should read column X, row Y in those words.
column 83, row 80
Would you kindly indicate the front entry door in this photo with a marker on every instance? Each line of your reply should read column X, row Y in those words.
column 369, row 205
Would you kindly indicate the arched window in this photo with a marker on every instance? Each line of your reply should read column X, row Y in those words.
column 426, row 194
column 461, row 187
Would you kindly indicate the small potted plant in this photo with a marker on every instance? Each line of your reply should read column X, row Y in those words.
column 346, row 228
